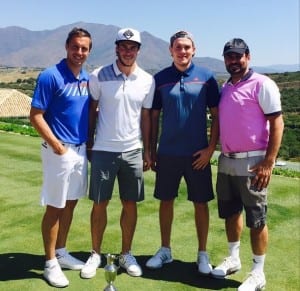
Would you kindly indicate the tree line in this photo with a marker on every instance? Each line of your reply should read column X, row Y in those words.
column 288, row 83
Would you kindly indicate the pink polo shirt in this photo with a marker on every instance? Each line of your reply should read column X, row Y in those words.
column 242, row 110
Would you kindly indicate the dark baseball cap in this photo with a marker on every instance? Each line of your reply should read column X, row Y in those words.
column 236, row 45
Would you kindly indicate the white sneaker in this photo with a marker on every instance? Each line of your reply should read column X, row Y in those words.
column 90, row 268
column 256, row 281
column 162, row 256
column 69, row 262
column 129, row 263
column 55, row 276
column 204, row 267
column 229, row 266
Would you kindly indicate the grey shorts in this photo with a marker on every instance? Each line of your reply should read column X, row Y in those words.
column 127, row 167
column 170, row 171
column 235, row 193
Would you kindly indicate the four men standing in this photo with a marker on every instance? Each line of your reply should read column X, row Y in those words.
column 122, row 109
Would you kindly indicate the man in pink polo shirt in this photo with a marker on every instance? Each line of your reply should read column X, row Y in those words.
column 251, row 128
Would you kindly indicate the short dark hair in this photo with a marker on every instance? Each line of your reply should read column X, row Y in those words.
column 181, row 34
column 79, row 32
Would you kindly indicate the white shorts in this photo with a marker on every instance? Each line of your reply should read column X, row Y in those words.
column 64, row 176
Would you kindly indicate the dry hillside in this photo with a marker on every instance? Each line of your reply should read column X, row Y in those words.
column 8, row 75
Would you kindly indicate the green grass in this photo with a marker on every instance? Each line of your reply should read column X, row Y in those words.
column 21, row 248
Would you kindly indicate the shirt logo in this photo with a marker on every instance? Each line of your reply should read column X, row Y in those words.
column 72, row 89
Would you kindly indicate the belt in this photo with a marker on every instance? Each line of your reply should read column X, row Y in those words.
column 44, row 144
column 243, row 155
column 72, row 144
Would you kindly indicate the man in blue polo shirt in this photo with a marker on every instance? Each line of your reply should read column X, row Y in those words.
column 183, row 93
column 59, row 112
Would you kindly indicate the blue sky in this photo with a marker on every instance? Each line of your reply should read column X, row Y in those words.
column 270, row 27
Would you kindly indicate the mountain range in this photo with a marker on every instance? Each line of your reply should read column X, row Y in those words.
column 25, row 48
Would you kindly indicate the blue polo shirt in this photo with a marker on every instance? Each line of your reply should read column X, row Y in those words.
column 184, row 98
column 65, row 100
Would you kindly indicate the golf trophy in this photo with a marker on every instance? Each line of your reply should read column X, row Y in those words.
column 110, row 272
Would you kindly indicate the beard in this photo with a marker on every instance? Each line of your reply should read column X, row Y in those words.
column 235, row 69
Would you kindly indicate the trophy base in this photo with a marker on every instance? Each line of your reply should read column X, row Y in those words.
column 110, row 287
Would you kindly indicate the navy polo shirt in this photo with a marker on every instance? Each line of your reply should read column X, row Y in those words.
column 184, row 98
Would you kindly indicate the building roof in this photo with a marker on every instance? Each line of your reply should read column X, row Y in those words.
column 14, row 103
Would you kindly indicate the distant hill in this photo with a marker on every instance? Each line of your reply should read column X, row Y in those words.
column 277, row 69
column 21, row 47
column 25, row 48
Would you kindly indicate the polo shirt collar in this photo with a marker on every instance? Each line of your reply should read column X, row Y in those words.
column 83, row 76
column 187, row 72
column 119, row 73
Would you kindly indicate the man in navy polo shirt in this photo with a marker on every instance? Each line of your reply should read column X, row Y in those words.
column 183, row 93
column 59, row 112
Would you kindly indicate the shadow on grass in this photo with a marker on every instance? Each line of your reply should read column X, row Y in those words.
column 18, row 266
column 184, row 273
